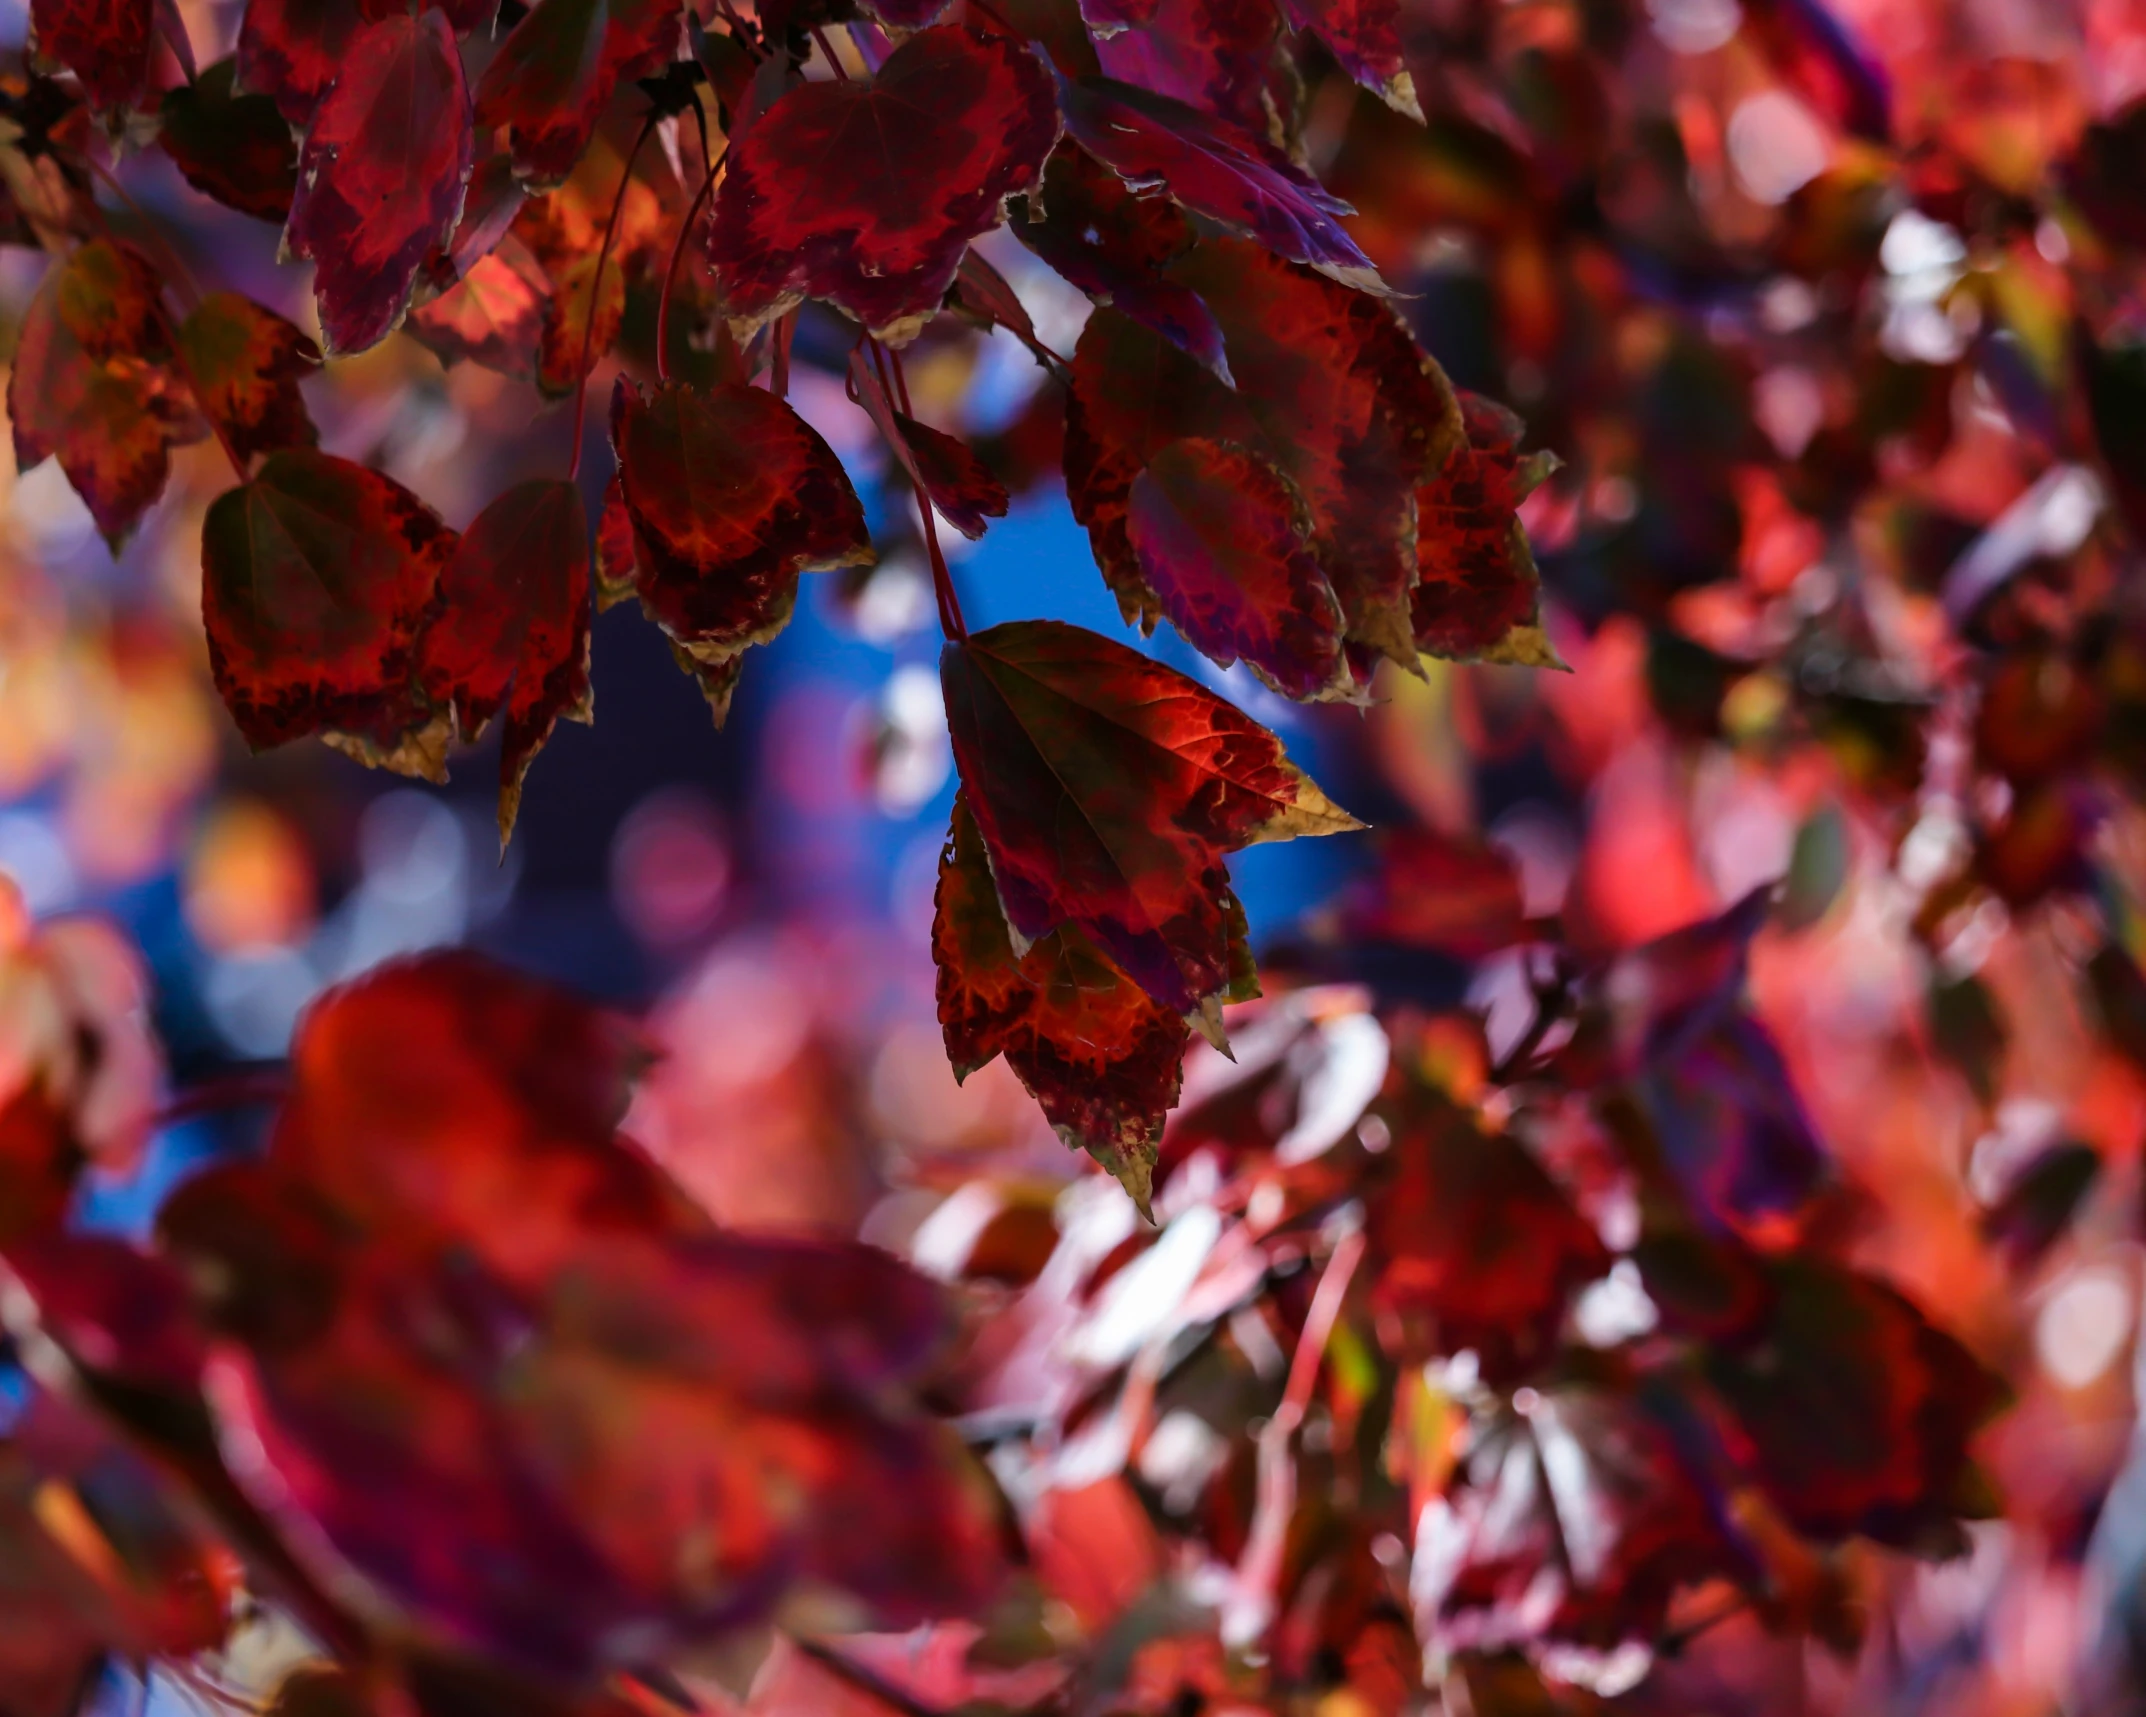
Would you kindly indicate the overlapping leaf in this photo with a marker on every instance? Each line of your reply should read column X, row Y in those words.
column 108, row 44
column 381, row 175
column 1107, row 789
column 292, row 50
column 944, row 468
column 245, row 363
column 235, row 148
column 1211, row 54
column 551, row 77
column 1365, row 36
column 1480, row 597
column 931, row 147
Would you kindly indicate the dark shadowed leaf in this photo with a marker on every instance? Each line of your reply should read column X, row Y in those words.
column 235, row 148
column 551, row 77
column 316, row 577
column 1480, row 597
column 2037, row 1205
column 381, row 174
column 1107, row 788
column 930, row 149
column 961, row 486
column 512, row 631
column 245, row 363
column 292, row 50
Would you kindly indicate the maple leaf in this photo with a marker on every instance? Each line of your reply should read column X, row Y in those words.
column 1215, row 169
column 961, row 487
column 1107, row 788
column 93, row 385
column 381, row 174
column 292, row 50
column 1364, row 36
column 108, row 44
column 512, row 630
column 558, row 67
column 245, row 363
column 1114, row 244
column 1474, row 1240
column 1100, row 1055
column 236, row 149
column 1479, row 597
column 931, row 147
column 1211, row 54
column 731, row 496
column 1225, row 544
column 316, row 578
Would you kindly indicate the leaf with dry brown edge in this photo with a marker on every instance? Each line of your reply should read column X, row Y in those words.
column 512, row 628
column 245, row 363
column 1479, row 597
column 1365, row 36
column 1108, row 788
column 731, row 496
column 317, row 576
column 1100, row 1054
column 93, row 384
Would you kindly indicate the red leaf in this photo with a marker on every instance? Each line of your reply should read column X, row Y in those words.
column 732, row 495
column 1107, row 17
column 513, row 626
column 1212, row 54
column 292, row 50
column 92, row 384
column 1224, row 543
column 1475, row 1245
column 1107, row 788
column 234, row 148
column 1099, row 1054
column 962, row 487
column 1215, row 169
column 880, row 236
column 564, row 232
column 1480, row 597
column 496, row 315
column 245, row 363
column 381, row 174
column 1437, row 892
column 316, row 577
column 108, row 44
column 1365, row 37
column 905, row 14
column 1114, row 245
column 615, row 560
column 552, row 76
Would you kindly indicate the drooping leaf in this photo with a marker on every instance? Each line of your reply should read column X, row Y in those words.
column 1224, row 542
column 381, row 175
column 1099, row 1054
column 1211, row 54
column 942, row 467
column 1114, row 244
column 512, row 631
column 1215, row 169
column 1480, row 597
column 316, row 577
column 1107, row 788
column 93, row 384
column 292, row 50
column 563, row 231
column 108, row 44
column 495, row 315
column 1475, row 1246
column 235, row 148
column 731, row 495
column 930, row 149
column 551, row 77
column 245, row 363
column 1365, row 37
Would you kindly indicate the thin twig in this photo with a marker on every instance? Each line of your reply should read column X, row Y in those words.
column 246, row 1090
column 942, row 575
column 596, row 291
column 819, row 35
column 670, row 270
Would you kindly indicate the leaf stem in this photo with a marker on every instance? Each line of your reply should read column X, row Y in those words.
column 819, row 35
column 942, row 575
column 154, row 233
column 596, row 290
column 729, row 14
column 670, row 270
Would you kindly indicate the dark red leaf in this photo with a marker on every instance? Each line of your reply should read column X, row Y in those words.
column 961, row 486
column 1475, row 1246
column 1099, row 1054
column 1107, row 788
column 1437, row 892
column 1107, row 17
column 235, row 148
column 1212, row 54
column 1480, row 597
column 1215, row 169
column 512, row 630
column 495, row 315
column 1114, row 245
column 906, row 14
column 39, row 1160
column 316, row 577
column 245, row 363
column 614, row 547
column 93, row 384
column 732, row 495
column 1365, row 37
column 552, row 76
column 1854, row 1412
column 121, row 1314
column 108, row 44
column 292, row 50
column 381, row 174
column 1224, row 543
column 928, row 151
